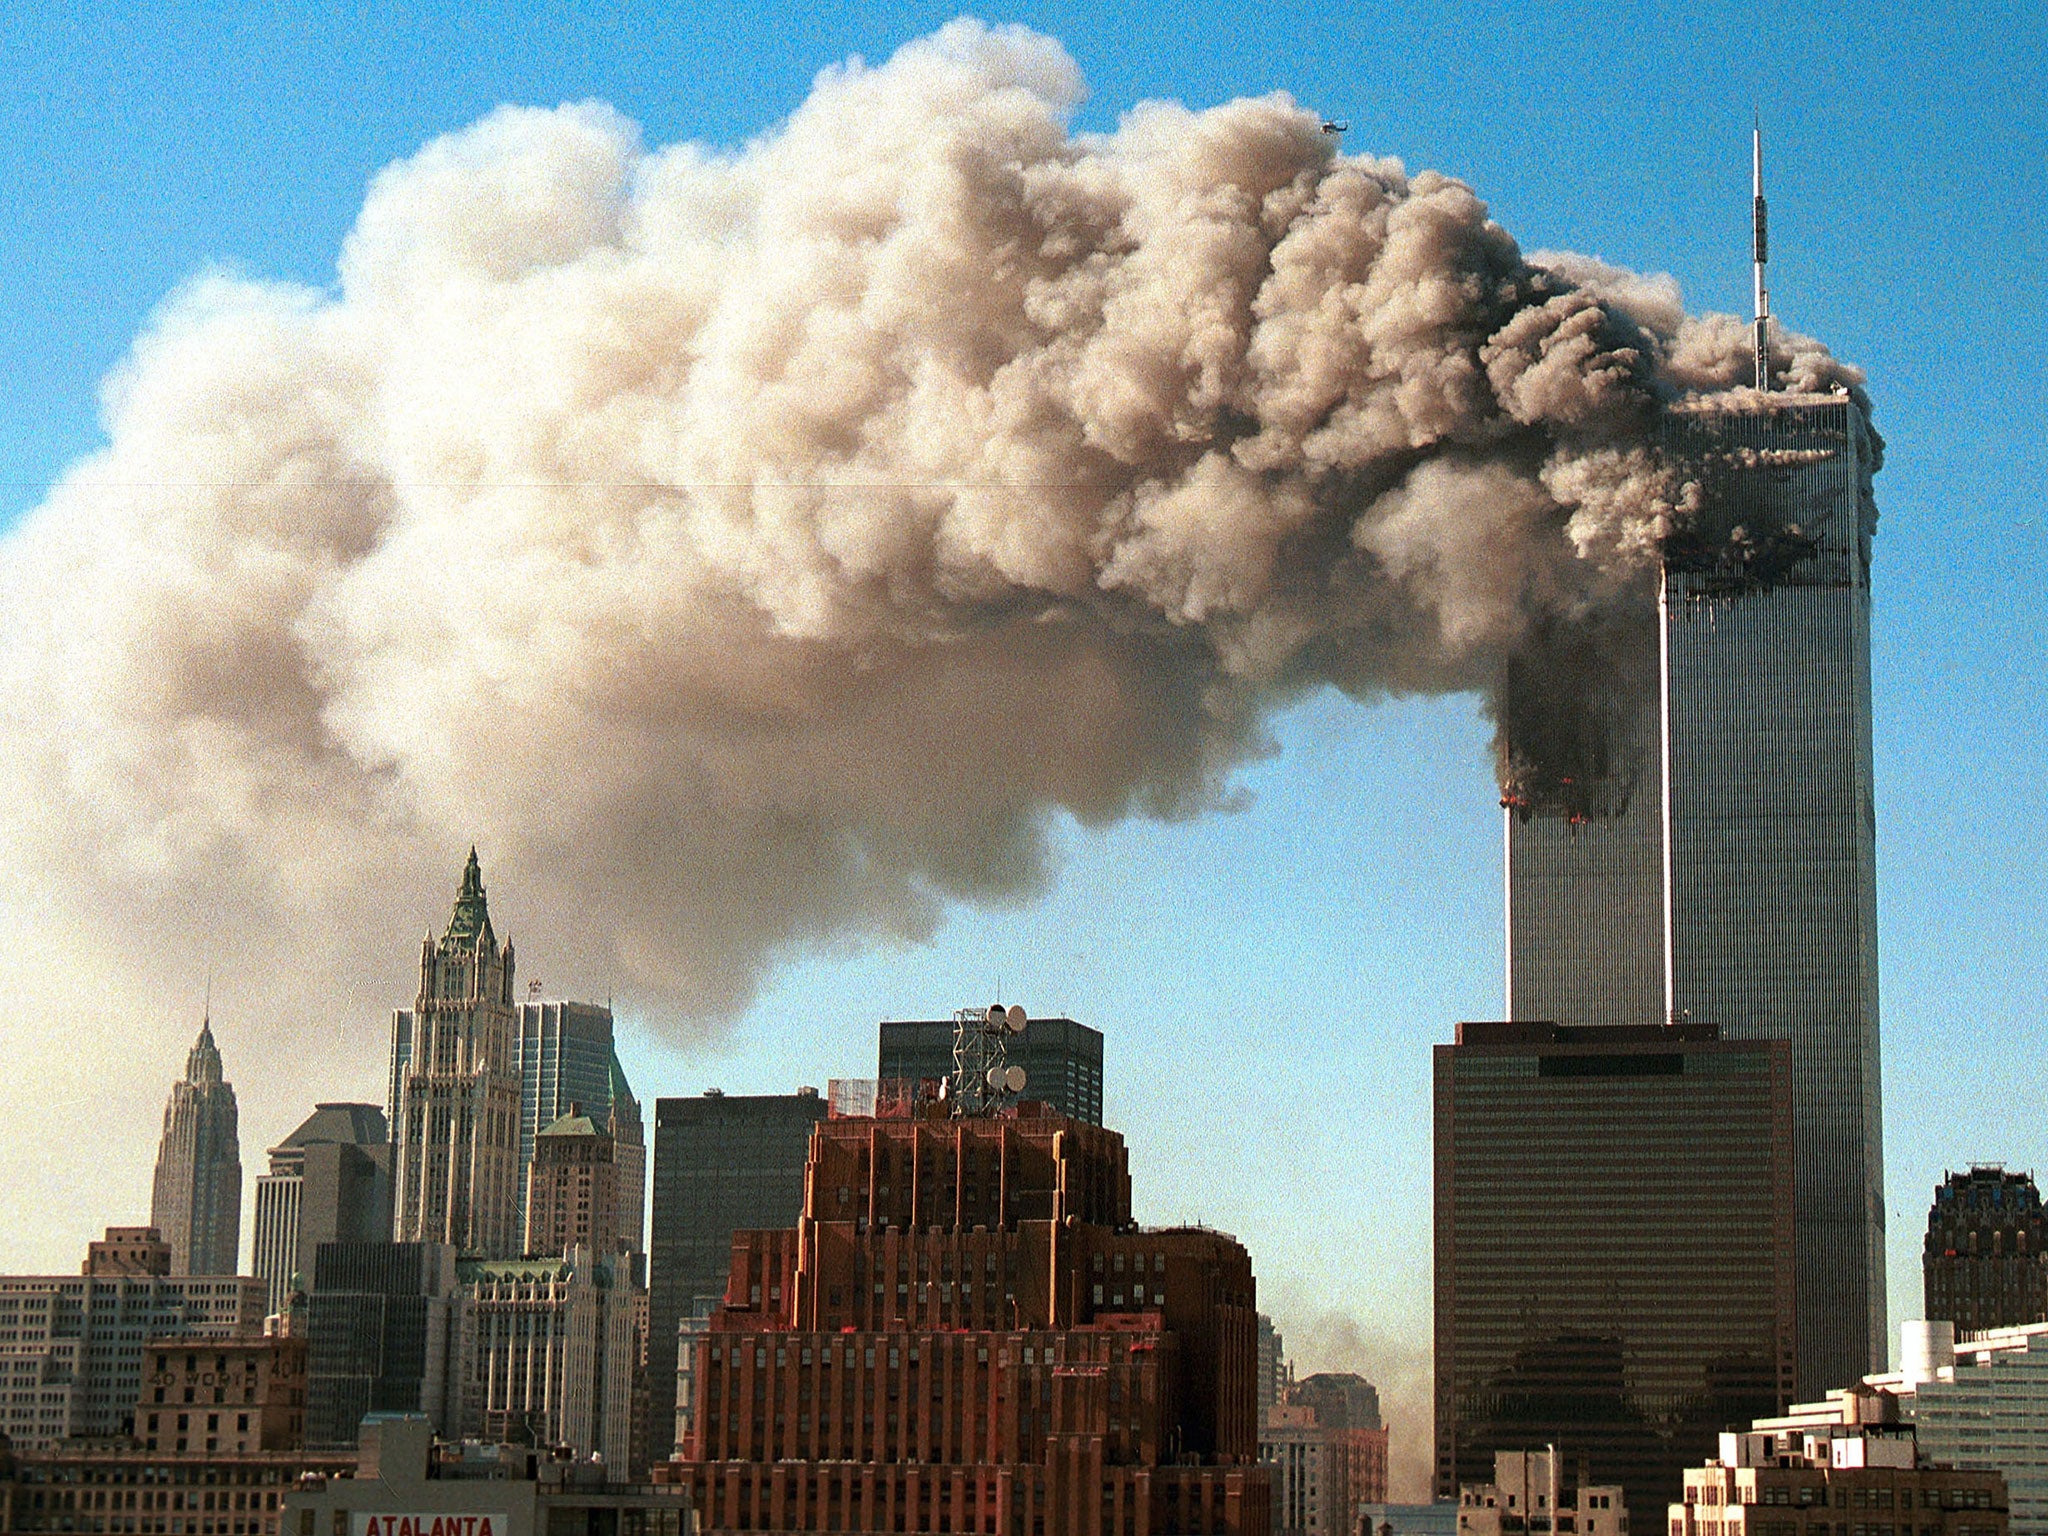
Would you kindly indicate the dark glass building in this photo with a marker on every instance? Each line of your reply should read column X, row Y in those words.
column 722, row 1164
column 1984, row 1264
column 383, row 1335
column 1713, row 857
column 329, row 1182
column 1062, row 1060
column 1614, row 1249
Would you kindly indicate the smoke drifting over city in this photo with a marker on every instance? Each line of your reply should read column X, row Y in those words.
column 755, row 549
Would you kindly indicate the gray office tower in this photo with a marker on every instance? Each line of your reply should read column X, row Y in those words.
column 567, row 1056
column 1062, row 1060
column 197, row 1200
column 722, row 1164
column 329, row 1182
column 384, row 1334
column 1712, row 858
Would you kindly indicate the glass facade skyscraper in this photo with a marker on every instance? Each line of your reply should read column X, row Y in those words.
column 1726, row 873
column 1614, row 1248
column 722, row 1164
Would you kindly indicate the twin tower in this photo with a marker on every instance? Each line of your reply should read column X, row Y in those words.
column 1717, row 867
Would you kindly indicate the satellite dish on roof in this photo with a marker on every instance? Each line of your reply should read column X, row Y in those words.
column 1014, row 1079
column 995, row 1078
column 1014, row 1019
column 996, row 1016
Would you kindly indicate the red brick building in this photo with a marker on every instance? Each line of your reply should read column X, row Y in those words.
column 967, row 1332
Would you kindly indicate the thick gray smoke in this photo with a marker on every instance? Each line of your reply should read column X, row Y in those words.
column 751, row 549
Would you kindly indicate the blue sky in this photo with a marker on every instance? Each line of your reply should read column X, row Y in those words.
column 1269, row 980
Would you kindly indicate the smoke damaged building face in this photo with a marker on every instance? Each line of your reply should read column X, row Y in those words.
column 666, row 518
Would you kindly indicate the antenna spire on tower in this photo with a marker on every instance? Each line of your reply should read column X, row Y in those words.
column 1760, row 232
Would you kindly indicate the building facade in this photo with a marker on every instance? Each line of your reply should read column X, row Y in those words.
column 1982, row 1404
column 1794, row 1482
column 1062, row 1060
column 1328, row 1453
column 406, row 1483
column 1274, row 1372
column 556, row 1350
column 722, row 1163
column 1711, row 855
column 197, row 1201
column 965, row 1330
column 387, row 1331
column 568, row 1057
column 1532, row 1492
column 329, row 1182
column 1984, row 1264
column 126, row 1488
column 1614, row 1248
column 72, row 1346
column 223, row 1396
column 572, row 1193
column 455, row 1089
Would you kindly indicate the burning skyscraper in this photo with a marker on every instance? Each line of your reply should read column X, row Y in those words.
column 1718, row 861
column 1707, row 848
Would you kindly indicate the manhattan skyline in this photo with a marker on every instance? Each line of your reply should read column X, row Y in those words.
column 1348, row 915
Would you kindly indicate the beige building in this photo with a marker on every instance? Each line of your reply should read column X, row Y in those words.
column 71, row 1346
column 223, row 1396
column 1531, row 1493
column 455, row 1089
column 557, row 1344
column 1846, row 1478
column 196, row 1204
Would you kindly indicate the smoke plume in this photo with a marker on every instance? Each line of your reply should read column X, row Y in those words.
column 752, row 549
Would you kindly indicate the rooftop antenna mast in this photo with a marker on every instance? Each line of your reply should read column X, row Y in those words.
column 1760, row 238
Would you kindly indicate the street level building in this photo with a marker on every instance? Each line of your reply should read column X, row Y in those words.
column 122, row 1487
column 1062, row 1060
column 1825, row 1480
column 722, row 1163
column 965, row 1330
column 387, row 1331
column 329, row 1182
column 1982, row 1404
column 455, row 1089
column 1614, row 1248
column 1532, row 1492
column 197, row 1202
column 1984, row 1264
column 72, row 1346
column 1703, row 844
column 406, row 1483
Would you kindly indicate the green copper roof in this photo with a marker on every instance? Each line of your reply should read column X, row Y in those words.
column 574, row 1125
column 472, row 912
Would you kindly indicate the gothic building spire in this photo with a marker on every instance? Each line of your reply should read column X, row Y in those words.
column 472, row 915
column 197, row 1199
column 202, row 1062
column 455, row 1088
